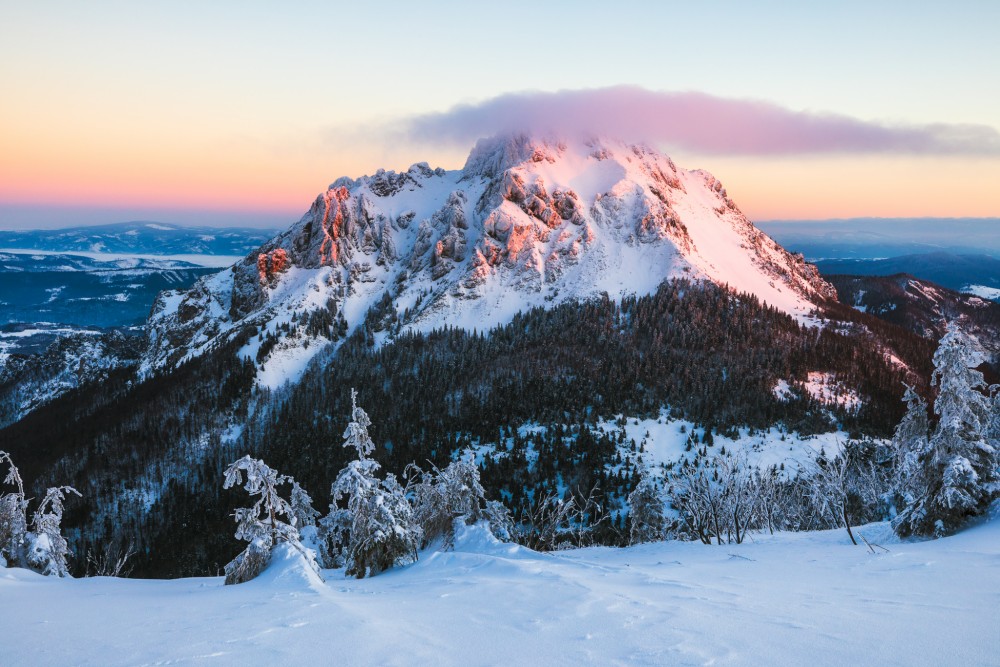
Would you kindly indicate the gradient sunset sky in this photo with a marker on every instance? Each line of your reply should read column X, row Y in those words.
column 241, row 112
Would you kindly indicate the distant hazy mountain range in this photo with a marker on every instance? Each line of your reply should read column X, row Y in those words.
column 139, row 238
column 977, row 274
column 876, row 238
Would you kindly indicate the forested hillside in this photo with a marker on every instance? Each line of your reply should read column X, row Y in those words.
column 149, row 457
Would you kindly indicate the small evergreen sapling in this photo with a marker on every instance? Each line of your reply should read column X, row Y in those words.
column 376, row 529
column 649, row 522
column 302, row 509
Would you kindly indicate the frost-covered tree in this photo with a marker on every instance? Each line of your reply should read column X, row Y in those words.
column 993, row 428
column 376, row 530
column 302, row 508
column 262, row 525
column 955, row 474
column 47, row 548
column 830, row 489
column 13, row 518
column 439, row 497
column 649, row 521
column 43, row 548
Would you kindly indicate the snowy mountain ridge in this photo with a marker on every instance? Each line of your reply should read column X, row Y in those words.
column 527, row 222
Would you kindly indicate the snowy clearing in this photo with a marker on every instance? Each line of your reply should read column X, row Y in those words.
column 791, row 599
column 983, row 291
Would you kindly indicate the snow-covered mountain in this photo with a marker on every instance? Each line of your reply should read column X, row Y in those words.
column 527, row 222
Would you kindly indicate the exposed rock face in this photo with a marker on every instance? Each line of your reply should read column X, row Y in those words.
column 527, row 221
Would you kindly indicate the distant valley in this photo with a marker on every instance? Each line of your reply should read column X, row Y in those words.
column 975, row 274
column 81, row 292
column 139, row 238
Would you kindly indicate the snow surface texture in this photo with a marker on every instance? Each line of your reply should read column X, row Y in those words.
column 788, row 599
column 527, row 222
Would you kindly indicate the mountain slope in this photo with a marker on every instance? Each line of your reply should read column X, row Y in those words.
column 69, row 362
column 922, row 307
column 526, row 222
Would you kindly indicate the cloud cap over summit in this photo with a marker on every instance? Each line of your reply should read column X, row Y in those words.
column 697, row 122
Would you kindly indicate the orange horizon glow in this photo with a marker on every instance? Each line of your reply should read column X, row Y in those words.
column 763, row 188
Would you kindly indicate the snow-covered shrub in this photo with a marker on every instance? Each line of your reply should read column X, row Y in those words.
column 261, row 525
column 649, row 520
column 544, row 523
column 723, row 498
column 376, row 530
column 698, row 501
column 500, row 520
column 114, row 560
column 439, row 497
column 831, row 490
column 952, row 474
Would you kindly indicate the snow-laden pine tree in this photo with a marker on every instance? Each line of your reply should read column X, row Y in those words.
column 302, row 508
column 957, row 474
column 262, row 525
column 647, row 504
column 909, row 448
column 376, row 529
column 47, row 548
column 456, row 492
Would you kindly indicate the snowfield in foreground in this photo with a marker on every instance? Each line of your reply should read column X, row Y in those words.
column 791, row 599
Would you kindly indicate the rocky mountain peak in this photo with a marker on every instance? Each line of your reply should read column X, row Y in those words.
column 528, row 221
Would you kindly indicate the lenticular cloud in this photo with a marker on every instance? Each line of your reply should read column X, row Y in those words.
column 696, row 122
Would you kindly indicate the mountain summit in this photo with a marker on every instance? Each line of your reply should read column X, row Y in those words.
column 526, row 222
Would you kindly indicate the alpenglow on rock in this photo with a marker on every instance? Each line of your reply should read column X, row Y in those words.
column 526, row 222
